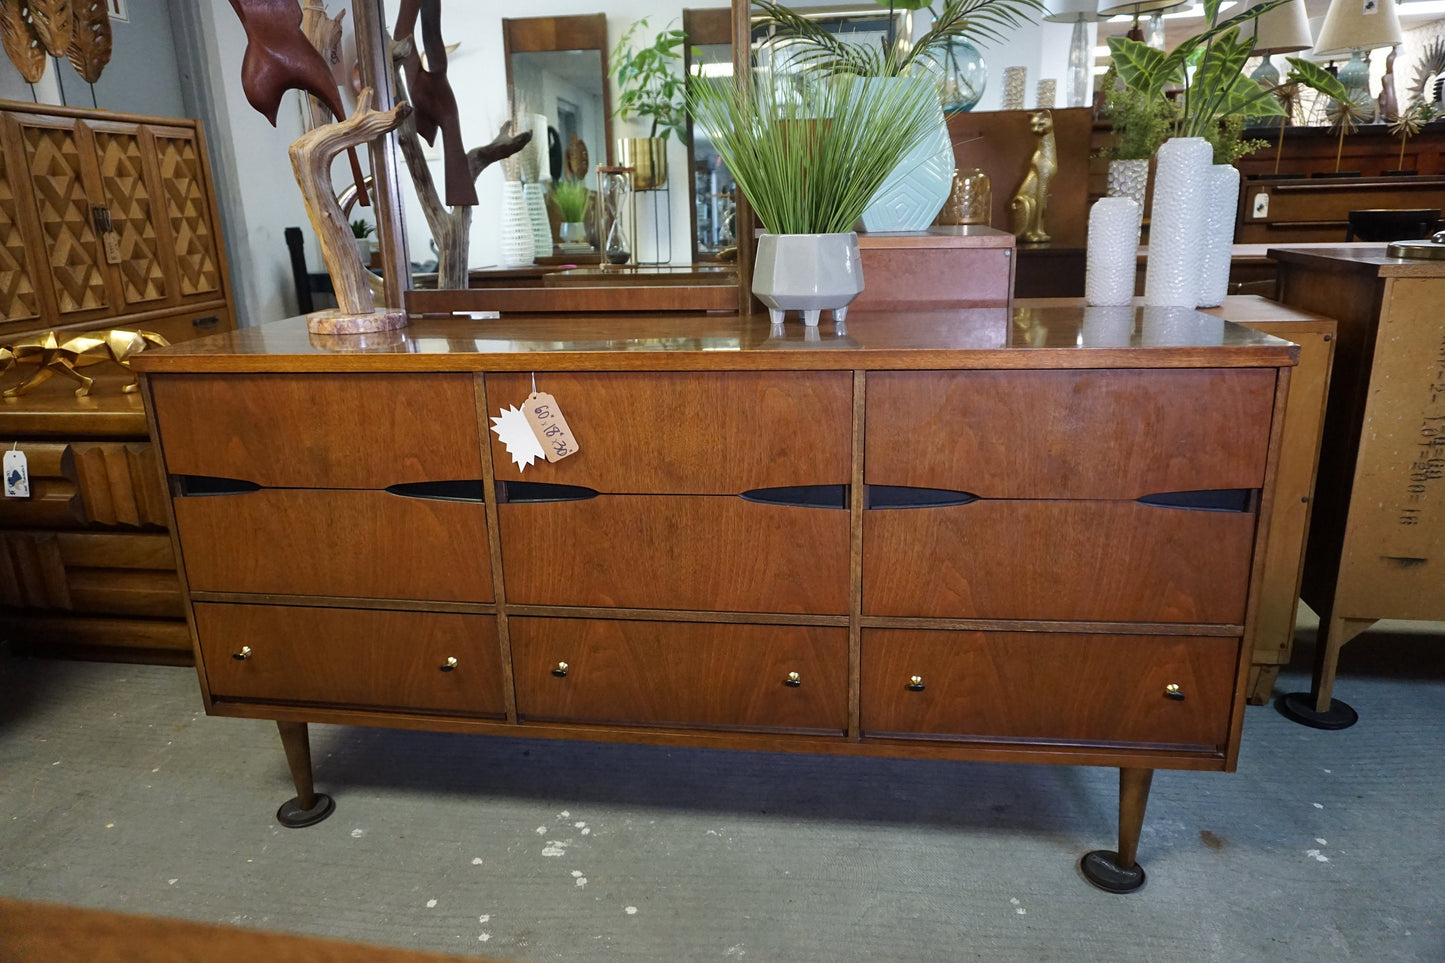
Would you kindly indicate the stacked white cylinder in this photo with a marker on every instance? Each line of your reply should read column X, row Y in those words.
column 1176, row 222
column 1220, row 215
column 516, row 227
column 1112, row 251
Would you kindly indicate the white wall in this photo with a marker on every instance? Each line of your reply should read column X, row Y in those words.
column 1042, row 49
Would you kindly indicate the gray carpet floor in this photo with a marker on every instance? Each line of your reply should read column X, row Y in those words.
column 117, row 792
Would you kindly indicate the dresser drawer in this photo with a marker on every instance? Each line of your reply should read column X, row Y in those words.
column 1041, row 687
column 697, row 552
column 1058, row 560
column 319, row 430
column 370, row 658
column 699, row 433
column 355, row 544
column 1069, row 434
column 681, row 674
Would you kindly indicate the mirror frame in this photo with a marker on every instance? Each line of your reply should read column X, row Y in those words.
column 703, row 26
column 584, row 31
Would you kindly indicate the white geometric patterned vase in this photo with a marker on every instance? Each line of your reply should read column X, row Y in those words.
column 515, row 229
column 1176, row 222
column 1129, row 178
column 532, row 196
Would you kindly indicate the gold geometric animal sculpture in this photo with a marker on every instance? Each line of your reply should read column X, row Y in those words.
column 53, row 356
column 1028, row 205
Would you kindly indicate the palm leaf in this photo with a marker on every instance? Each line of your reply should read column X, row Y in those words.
column 89, row 49
column 22, row 45
column 54, row 24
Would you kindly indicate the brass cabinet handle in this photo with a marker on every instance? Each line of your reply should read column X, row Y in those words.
column 915, row 683
column 561, row 670
column 793, row 680
column 1171, row 691
column 449, row 664
column 244, row 654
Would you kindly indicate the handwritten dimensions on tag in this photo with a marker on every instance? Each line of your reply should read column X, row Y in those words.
column 549, row 426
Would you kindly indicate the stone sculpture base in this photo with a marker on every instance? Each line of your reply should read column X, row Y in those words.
column 336, row 321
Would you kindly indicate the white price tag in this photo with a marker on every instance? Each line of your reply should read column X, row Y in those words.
column 17, row 474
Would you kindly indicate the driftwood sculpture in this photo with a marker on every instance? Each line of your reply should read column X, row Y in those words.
column 311, row 158
column 279, row 58
column 1032, row 199
column 431, row 95
column 53, row 356
column 325, row 35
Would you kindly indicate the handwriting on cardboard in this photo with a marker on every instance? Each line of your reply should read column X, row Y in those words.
column 545, row 417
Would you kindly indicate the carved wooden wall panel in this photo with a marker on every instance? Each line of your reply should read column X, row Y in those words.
column 18, row 300
column 65, row 218
column 119, row 484
column 32, row 573
column 128, row 195
column 188, row 210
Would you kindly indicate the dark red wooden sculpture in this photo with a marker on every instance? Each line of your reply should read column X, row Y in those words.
column 280, row 58
column 432, row 100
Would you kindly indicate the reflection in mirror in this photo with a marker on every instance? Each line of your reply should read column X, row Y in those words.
column 713, row 193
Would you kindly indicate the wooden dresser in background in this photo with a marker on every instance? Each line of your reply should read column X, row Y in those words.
column 86, row 566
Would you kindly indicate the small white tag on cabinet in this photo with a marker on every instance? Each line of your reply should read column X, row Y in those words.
column 17, row 474
column 515, row 431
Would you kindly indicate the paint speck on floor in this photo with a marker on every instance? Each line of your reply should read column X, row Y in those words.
column 110, row 825
column 483, row 937
column 174, row 881
column 630, row 910
column 586, row 830
column 579, row 824
column 1319, row 805
column 576, row 873
column 713, row 832
column 357, row 833
column 581, row 881
column 56, row 763
column 1020, row 910
column 156, row 769
column 1317, row 856
column 1322, row 842
column 484, row 918
column 556, row 847
column 541, row 830
column 1329, row 771
column 476, row 860
column 431, row 904
column 564, row 814
column 736, row 950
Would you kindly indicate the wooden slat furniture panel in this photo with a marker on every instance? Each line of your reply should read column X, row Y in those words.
column 681, row 674
column 336, row 543
column 352, row 657
column 1058, row 560
column 283, row 430
column 677, row 552
column 1060, row 434
column 711, row 434
column 1051, row 687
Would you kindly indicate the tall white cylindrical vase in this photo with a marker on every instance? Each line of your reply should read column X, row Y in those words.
column 1176, row 222
column 1223, row 209
column 515, row 227
column 532, row 197
column 1112, row 251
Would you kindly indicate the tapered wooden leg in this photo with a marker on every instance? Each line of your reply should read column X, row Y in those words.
column 1120, row 872
column 1317, row 708
column 309, row 807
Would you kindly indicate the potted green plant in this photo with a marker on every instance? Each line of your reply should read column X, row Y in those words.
column 651, row 87
column 571, row 198
column 1140, row 124
column 916, row 190
column 809, row 152
column 362, row 231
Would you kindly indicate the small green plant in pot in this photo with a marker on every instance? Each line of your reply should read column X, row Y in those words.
column 571, row 198
column 650, row 87
column 809, row 152
column 362, row 231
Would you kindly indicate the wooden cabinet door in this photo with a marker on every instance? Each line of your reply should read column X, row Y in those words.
column 681, row 674
column 20, row 298
column 1049, row 688
column 185, row 221
column 124, row 157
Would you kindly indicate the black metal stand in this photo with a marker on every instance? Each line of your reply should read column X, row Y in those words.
column 292, row 816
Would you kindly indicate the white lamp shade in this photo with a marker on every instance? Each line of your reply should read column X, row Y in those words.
column 1072, row 11
column 1285, row 29
column 1114, row 8
column 1358, row 25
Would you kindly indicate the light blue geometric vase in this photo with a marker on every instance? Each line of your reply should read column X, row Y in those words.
column 914, row 193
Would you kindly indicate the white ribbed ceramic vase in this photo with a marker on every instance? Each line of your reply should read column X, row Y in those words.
column 1223, row 201
column 1112, row 252
column 532, row 197
column 1176, row 222
column 809, row 273
column 515, row 227
column 1129, row 178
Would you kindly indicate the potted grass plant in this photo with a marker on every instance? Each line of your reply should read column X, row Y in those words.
column 571, row 197
column 809, row 151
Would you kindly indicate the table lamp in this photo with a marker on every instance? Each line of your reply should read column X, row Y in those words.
column 1353, row 27
column 1113, row 8
column 1285, row 29
column 1077, row 12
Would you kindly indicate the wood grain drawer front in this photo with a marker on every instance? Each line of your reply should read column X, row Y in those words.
column 681, row 674
column 359, row 657
column 1069, row 434
column 1048, row 687
column 690, row 552
column 319, row 430
column 690, row 433
column 1086, row 560
column 353, row 544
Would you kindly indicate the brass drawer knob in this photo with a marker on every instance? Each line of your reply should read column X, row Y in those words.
column 793, row 680
column 1171, row 691
column 244, row 654
column 449, row 664
column 915, row 683
column 561, row 670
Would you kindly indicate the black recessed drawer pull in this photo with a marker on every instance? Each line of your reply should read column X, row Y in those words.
column 904, row 496
column 1208, row 500
column 516, row 492
column 464, row 490
column 194, row 485
column 803, row 496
